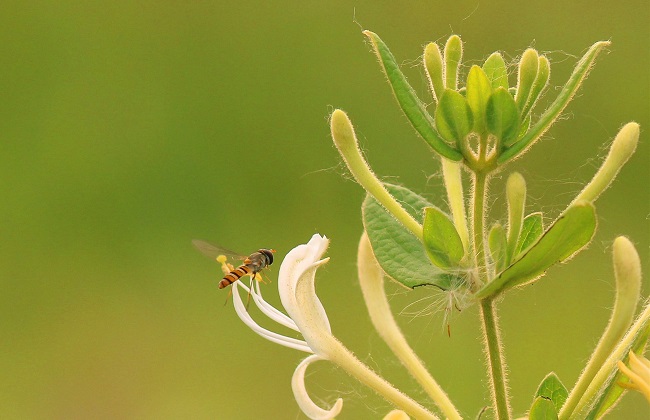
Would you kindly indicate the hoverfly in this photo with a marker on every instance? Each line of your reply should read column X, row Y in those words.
column 253, row 264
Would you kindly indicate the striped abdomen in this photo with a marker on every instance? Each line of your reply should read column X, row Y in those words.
column 235, row 275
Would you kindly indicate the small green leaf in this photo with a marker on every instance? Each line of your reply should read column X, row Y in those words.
column 526, row 77
column 453, row 55
column 555, row 109
column 542, row 409
column 441, row 240
column 502, row 116
column 411, row 105
column 453, row 116
column 433, row 67
column 498, row 245
column 543, row 73
column 553, row 389
column 516, row 198
column 531, row 230
column 523, row 128
column 399, row 253
column 567, row 235
column 495, row 69
column 479, row 90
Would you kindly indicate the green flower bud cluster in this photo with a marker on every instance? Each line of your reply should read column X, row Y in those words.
column 486, row 122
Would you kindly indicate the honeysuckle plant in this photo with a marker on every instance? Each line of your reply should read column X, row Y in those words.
column 476, row 128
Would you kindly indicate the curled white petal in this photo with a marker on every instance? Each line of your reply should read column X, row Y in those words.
column 305, row 403
column 300, row 264
column 269, row 310
column 243, row 314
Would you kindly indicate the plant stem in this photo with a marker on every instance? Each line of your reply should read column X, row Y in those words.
column 489, row 323
column 495, row 360
column 478, row 215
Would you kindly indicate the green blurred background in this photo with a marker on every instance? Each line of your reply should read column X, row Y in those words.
column 130, row 128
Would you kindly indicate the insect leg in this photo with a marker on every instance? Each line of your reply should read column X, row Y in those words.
column 250, row 290
column 228, row 296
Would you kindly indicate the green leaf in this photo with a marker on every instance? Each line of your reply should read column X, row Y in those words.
column 567, row 235
column 523, row 128
column 552, row 112
column 526, row 77
column 516, row 199
column 433, row 67
column 531, row 230
column 399, row 253
column 543, row 73
column 479, row 90
column 502, row 117
column 441, row 240
column 453, row 55
column 411, row 105
column 495, row 69
column 453, row 116
column 498, row 244
column 553, row 389
column 613, row 392
column 542, row 409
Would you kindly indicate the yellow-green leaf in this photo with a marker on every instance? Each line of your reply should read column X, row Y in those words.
column 542, row 409
column 498, row 245
column 453, row 117
column 553, row 389
column 526, row 76
column 502, row 117
column 531, row 230
column 441, row 240
column 495, row 69
column 411, row 105
column 479, row 90
column 567, row 235
column 433, row 66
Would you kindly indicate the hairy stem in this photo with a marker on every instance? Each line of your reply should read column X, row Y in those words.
column 452, row 174
column 495, row 359
column 489, row 322
column 478, row 225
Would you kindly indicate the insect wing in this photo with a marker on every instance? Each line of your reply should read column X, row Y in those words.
column 213, row 251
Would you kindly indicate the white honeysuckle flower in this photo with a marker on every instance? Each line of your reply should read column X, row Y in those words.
column 306, row 314
column 300, row 262
column 272, row 313
column 299, row 265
